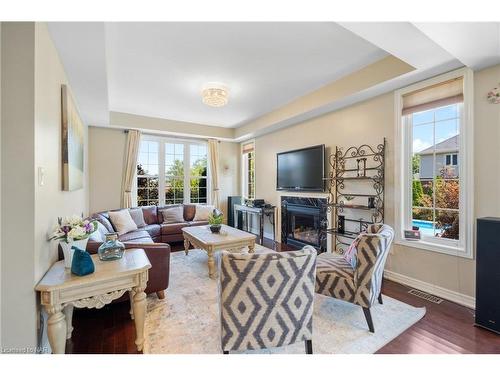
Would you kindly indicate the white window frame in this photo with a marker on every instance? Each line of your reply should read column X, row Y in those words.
column 244, row 171
column 451, row 160
column 187, row 172
column 403, row 173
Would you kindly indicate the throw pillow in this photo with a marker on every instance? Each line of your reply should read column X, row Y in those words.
column 173, row 215
column 100, row 234
column 138, row 217
column 122, row 221
column 202, row 212
column 351, row 254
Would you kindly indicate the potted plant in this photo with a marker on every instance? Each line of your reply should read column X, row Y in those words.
column 72, row 231
column 215, row 220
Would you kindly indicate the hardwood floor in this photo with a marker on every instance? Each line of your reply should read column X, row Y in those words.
column 446, row 328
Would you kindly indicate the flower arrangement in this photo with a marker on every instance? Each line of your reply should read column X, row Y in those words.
column 73, row 228
column 494, row 96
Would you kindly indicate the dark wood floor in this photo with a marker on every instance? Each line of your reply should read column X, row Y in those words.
column 446, row 328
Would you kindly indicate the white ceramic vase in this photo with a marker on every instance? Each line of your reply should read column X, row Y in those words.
column 68, row 251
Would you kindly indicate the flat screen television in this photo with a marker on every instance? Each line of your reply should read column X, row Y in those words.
column 301, row 170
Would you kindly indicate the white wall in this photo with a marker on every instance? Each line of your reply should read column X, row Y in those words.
column 18, row 187
column 32, row 75
column 0, row 182
column 106, row 162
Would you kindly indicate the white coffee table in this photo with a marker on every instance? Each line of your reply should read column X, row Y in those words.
column 229, row 238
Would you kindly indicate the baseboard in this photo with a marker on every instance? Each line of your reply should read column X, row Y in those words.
column 439, row 291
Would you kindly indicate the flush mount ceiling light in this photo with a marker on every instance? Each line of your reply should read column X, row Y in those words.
column 215, row 94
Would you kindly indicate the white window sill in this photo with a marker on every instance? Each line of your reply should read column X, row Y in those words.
column 436, row 247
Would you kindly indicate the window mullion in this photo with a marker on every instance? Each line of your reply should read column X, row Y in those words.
column 161, row 173
column 187, row 174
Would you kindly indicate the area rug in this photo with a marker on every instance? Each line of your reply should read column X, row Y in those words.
column 187, row 322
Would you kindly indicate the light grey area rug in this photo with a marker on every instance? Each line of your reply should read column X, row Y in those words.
column 187, row 321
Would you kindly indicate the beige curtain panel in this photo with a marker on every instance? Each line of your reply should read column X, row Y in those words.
column 131, row 151
column 441, row 94
column 213, row 152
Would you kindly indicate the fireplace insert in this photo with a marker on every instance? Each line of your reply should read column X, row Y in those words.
column 303, row 222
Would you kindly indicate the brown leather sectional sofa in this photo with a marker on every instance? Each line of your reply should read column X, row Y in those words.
column 155, row 230
column 154, row 238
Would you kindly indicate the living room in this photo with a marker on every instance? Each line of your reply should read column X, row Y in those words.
column 233, row 188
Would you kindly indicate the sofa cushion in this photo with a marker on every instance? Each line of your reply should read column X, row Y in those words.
column 154, row 230
column 175, row 228
column 150, row 214
column 100, row 234
column 172, row 214
column 135, row 236
column 122, row 221
column 138, row 217
column 202, row 212
column 103, row 218
column 189, row 212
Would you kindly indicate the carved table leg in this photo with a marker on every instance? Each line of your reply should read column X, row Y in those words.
column 139, row 307
column 251, row 247
column 131, row 298
column 211, row 264
column 56, row 329
column 186, row 246
column 68, row 313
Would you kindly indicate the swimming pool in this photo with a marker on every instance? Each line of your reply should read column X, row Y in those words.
column 425, row 227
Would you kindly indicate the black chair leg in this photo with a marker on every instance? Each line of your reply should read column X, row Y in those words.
column 225, row 352
column 309, row 347
column 369, row 320
column 380, row 299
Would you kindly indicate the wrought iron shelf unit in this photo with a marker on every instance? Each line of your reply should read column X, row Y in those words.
column 355, row 191
column 347, row 234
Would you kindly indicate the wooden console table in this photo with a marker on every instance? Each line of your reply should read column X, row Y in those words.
column 61, row 291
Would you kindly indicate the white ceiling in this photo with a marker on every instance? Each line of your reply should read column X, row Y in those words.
column 159, row 69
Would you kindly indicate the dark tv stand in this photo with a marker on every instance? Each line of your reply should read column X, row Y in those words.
column 260, row 212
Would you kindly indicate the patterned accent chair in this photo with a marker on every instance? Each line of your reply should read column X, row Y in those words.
column 266, row 300
column 361, row 285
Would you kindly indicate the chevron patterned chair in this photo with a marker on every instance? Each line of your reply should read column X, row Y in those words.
column 266, row 300
column 357, row 279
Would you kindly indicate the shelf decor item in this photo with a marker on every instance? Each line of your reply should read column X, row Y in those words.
column 72, row 232
column 355, row 192
column 111, row 249
column 215, row 220
column 82, row 263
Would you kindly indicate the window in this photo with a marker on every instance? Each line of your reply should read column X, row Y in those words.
column 434, row 167
column 198, row 168
column 452, row 159
column 177, row 168
column 147, row 173
column 248, row 170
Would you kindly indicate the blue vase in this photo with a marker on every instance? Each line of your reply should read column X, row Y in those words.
column 111, row 249
column 82, row 263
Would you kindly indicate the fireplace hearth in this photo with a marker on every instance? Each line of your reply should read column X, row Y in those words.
column 303, row 221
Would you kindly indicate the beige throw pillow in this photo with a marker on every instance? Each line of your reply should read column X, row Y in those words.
column 173, row 215
column 202, row 212
column 122, row 221
column 138, row 217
